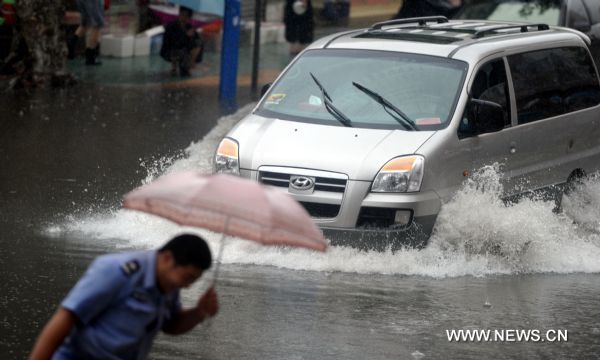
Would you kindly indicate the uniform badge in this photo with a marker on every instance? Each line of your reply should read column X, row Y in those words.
column 130, row 267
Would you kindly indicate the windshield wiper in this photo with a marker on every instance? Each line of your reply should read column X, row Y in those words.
column 402, row 118
column 335, row 112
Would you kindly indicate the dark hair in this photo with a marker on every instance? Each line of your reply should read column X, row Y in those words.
column 188, row 249
column 186, row 10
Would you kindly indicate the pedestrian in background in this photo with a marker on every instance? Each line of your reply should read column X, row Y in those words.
column 123, row 300
column 181, row 45
column 92, row 20
column 299, row 24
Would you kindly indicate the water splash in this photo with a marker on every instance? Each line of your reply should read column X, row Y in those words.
column 476, row 233
column 583, row 204
column 524, row 237
column 198, row 155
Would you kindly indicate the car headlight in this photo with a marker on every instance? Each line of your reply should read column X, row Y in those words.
column 227, row 159
column 401, row 174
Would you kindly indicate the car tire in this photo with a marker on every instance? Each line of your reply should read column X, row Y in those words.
column 574, row 181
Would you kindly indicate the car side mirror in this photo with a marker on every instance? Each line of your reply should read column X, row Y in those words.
column 488, row 116
column 264, row 89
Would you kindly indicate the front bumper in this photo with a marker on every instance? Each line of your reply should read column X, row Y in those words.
column 353, row 209
column 416, row 235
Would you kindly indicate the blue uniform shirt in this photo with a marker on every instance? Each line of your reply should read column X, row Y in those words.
column 119, row 309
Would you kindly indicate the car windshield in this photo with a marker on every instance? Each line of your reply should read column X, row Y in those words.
column 424, row 88
column 536, row 11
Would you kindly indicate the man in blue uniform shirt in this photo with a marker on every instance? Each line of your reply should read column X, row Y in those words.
column 123, row 300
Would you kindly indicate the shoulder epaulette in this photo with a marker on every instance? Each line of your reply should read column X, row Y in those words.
column 130, row 267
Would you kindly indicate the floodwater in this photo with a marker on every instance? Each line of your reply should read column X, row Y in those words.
column 68, row 157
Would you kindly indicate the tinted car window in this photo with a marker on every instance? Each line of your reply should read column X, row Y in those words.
column 490, row 84
column 578, row 77
column 553, row 82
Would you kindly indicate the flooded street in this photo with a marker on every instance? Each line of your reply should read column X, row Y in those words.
column 67, row 158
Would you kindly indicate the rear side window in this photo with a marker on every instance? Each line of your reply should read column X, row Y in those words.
column 553, row 82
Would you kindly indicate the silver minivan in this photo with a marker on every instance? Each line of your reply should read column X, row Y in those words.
column 372, row 130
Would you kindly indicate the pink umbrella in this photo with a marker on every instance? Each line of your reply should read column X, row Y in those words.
column 230, row 205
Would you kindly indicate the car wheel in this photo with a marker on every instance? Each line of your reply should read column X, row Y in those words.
column 574, row 182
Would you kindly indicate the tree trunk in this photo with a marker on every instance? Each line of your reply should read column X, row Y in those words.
column 39, row 25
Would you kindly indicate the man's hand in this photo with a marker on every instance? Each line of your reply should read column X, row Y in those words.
column 186, row 319
column 208, row 304
column 190, row 32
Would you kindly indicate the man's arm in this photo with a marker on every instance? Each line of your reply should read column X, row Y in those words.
column 186, row 320
column 88, row 298
column 53, row 334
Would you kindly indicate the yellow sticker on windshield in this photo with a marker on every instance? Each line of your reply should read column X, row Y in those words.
column 275, row 99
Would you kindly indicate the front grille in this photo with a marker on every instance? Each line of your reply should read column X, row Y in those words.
column 329, row 184
column 275, row 179
column 318, row 210
column 321, row 183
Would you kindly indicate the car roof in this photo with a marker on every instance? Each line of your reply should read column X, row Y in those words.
column 468, row 40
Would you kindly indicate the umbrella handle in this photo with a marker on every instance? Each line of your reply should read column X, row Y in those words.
column 217, row 265
column 220, row 254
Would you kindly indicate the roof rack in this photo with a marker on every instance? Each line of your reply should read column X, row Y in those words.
column 420, row 20
column 524, row 28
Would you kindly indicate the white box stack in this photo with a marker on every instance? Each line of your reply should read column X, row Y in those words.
column 124, row 46
column 107, row 45
column 117, row 45
column 142, row 45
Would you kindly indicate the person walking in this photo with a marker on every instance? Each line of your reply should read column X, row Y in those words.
column 123, row 300
column 92, row 20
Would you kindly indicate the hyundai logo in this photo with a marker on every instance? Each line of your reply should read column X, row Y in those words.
column 302, row 182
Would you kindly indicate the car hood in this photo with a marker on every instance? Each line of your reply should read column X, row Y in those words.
column 356, row 152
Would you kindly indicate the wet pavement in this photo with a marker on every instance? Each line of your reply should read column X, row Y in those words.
column 73, row 151
column 68, row 156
